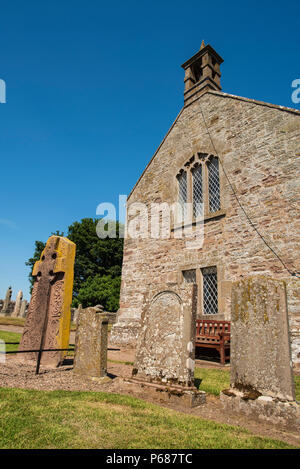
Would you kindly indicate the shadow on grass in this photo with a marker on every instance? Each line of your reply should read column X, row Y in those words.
column 198, row 382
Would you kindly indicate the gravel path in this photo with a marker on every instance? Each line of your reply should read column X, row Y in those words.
column 19, row 375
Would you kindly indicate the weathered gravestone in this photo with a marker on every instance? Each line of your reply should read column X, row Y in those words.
column 48, row 318
column 77, row 313
column 23, row 309
column 6, row 304
column 261, row 368
column 91, row 343
column 17, row 307
column 166, row 343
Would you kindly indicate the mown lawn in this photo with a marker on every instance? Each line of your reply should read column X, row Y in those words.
column 64, row 419
column 212, row 380
column 12, row 340
column 67, row 419
column 7, row 321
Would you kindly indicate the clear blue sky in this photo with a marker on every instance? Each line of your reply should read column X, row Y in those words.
column 92, row 87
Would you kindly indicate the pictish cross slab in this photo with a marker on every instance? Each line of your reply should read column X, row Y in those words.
column 49, row 315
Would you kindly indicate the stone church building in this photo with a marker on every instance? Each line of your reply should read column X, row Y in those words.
column 240, row 158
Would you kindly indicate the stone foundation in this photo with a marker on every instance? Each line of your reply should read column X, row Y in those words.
column 265, row 408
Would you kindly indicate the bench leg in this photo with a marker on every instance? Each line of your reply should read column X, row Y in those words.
column 222, row 355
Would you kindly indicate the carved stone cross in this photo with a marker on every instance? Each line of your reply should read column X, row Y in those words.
column 48, row 319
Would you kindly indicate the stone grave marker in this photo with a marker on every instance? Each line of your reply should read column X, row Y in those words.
column 17, row 307
column 91, row 343
column 165, row 354
column 23, row 309
column 6, row 304
column 261, row 367
column 77, row 313
column 49, row 315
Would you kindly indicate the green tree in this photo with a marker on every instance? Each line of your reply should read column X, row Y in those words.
column 103, row 290
column 95, row 258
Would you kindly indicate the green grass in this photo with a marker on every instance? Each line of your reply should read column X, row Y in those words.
column 10, row 337
column 212, row 380
column 120, row 362
column 65, row 419
column 15, row 337
column 207, row 379
column 9, row 321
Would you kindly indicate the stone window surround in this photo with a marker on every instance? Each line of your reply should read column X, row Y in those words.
column 199, row 281
column 199, row 158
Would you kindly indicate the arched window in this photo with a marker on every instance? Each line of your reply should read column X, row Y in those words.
column 199, row 183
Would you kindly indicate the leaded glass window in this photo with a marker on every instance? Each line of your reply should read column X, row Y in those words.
column 210, row 290
column 213, row 184
column 182, row 191
column 197, row 191
column 189, row 275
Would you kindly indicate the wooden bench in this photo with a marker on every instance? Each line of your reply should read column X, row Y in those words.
column 213, row 334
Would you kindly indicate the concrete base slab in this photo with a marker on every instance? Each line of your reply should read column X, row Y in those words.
column 283, row 413
column 189, row 397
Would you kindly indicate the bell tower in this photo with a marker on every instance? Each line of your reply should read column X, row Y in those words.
column 202, row 72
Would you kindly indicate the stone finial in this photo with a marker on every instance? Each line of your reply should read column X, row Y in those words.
column 202, row 45
column 49, row 314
